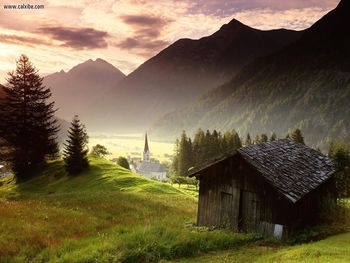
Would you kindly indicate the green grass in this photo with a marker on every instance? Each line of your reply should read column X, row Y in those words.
column 334, row 249
column 106, row 214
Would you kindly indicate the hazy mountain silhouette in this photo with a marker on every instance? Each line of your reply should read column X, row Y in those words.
column 187, row 69
column 305, row 85
column 81, row 90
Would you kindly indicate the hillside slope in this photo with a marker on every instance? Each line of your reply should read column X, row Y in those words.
column 187, row 69
column 305, row 85
column 105, row 214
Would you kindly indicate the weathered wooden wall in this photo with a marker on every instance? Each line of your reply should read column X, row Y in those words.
column 232, row 194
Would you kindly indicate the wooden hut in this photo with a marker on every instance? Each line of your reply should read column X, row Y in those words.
column 272, row 188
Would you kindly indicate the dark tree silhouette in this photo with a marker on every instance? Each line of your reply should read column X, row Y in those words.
column 76, row 150
column 28, row 125
column 297, row 136
column 100, row 151
column 123, row 162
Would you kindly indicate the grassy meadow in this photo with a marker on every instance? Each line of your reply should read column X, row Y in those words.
column 108, row 214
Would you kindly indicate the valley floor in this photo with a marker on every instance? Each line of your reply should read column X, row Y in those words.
column 108, row 214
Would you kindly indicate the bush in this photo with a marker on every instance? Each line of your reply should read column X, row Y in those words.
column 184, row 180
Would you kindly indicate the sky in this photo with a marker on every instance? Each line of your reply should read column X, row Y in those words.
column 128, row 32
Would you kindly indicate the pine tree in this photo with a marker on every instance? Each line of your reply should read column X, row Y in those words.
column 199, row 151
column 185, row 160
column 175, row 163
column 257, row 139
column 264, row 138
column 76, row 150
column 273, row 137
column 248, row 140
column 237, row 143
column 28, row 124
column 297, row 136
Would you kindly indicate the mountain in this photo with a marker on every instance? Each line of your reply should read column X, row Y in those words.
column 189, row 68
column 304, row 85
column 81, row 89
column 2, row 93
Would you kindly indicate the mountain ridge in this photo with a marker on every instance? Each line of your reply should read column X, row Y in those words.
column 188, row 68
column 80, row 89
column 304, row 85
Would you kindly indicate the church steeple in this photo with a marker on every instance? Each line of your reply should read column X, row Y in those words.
column 146, row 152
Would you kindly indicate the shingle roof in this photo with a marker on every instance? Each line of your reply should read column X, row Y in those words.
column 292, row 168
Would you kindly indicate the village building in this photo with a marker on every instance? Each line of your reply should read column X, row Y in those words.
column 272, row 188
column 151, row 168
column 3, row 170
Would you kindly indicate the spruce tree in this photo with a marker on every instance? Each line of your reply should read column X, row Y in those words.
column 28, row 124
column 264, row 138
column 273, row 137
column 199, row 151
column 237, row 143
column 257, row 139
column 185, row 160
column 76, row 150
column 297, row 136
column 248, row 140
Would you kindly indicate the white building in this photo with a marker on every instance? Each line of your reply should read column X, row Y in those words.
column 3, row 171
column 151, row 168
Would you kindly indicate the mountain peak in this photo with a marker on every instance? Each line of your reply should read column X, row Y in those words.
column 344, row 4
column 99, row 66
column 235, row 22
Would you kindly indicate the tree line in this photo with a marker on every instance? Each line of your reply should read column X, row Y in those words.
column 28, row 127
column 206, row 146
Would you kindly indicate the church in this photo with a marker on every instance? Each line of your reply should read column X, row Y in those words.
column 151, row 168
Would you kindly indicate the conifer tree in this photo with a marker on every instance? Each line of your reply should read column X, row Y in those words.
column 248, row 140
column 237, row 143
column 257, row 139
column 27, row 120
column 297, row 136
column 185, row 160
column 175, row 163
column 76, row 150
column 199, row 151
column 264, row 138
column 273, row 137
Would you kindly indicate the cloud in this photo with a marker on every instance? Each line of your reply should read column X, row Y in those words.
column 132, row 43
column 146, row 33
column 266, row 19
column 224, row 8
column 143, row 20
column 23, row 40
column 77, row 38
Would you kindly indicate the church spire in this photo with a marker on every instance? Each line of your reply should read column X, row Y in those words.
column 146, row 152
